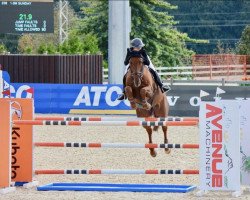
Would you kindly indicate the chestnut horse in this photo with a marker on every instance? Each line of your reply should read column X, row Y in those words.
column 146, row 97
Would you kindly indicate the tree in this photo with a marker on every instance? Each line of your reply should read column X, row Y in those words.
column 222, row 48
column 150, row 21
column 25, row 44
column 243, row 46
column 218, row 21
column 45, row 48
column 10, row 41
column 3, row 49
column 76, row 44
column 96, row 22
column 79, row 44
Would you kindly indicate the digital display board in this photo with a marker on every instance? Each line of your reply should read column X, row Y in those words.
column 26, row 17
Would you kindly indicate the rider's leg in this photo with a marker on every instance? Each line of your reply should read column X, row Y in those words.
column 123, row 96
column 164, row 88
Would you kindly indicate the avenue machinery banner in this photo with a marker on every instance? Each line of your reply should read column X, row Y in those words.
column 220, row 145
column 244, row 141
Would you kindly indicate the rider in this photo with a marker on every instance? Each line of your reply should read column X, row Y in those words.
column 136, row 50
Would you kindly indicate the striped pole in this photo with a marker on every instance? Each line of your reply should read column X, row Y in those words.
column 115, row 145
column 116, row 171
column 73, row 118
column 106, row 123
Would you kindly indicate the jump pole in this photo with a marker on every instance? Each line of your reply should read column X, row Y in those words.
column 105, row 123
column 114, row 145
column 117, row 171
column 80, row 118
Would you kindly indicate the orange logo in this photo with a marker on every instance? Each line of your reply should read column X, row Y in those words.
column 16, row 110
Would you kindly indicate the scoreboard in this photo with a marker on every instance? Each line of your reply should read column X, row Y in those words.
column 26, row 17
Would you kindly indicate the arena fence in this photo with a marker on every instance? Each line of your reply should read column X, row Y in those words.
column 217, row 66
column 53, row 68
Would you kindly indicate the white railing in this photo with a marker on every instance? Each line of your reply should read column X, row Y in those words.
column 178, row 72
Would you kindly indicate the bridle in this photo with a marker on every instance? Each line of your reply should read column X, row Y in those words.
column 138, row 74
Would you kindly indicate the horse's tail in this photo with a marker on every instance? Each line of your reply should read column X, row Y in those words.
column 155, row 128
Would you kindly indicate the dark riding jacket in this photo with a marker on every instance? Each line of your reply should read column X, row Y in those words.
column 131, row 53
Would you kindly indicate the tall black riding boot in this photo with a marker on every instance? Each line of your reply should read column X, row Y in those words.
column 123, row 96
column 164, row 88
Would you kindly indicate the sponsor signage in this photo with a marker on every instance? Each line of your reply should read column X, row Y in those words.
column 79, row 98
column 16, row 141
column 244, row 141
column 5, row 143
column 22, row 141
column 4, row 84
column 219, row 145
column 1, row 84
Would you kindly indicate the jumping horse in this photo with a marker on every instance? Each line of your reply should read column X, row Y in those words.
column 146, row 97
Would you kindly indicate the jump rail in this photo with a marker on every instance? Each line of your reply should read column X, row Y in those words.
column 105, row 123
column 72, row 118
column 115, row 145
column 116, row 171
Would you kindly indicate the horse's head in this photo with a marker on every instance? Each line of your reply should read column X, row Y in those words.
column 136, row 68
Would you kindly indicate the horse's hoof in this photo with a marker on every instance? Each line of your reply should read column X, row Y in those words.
column 133, row 105
column 147, row 106
column 167, row 151
column 153, row 153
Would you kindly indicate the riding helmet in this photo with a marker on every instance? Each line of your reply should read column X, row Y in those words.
column 137, row 43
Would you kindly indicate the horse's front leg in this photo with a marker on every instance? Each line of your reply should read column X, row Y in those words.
column 146, row 93
column 129, row 94
column 149, row 131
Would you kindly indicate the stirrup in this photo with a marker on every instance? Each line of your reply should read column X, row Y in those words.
column 165, row 88
column 121, row 97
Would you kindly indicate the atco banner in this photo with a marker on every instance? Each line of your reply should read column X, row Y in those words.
column 220, row 145
column 183, row 100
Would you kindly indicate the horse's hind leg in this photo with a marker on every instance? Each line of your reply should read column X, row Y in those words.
column 165, row 130
column 152, row 150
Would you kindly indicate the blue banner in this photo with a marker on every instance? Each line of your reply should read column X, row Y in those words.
column 101, row 99
column 184, row 100
column 6, row 84
column 70, row 98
